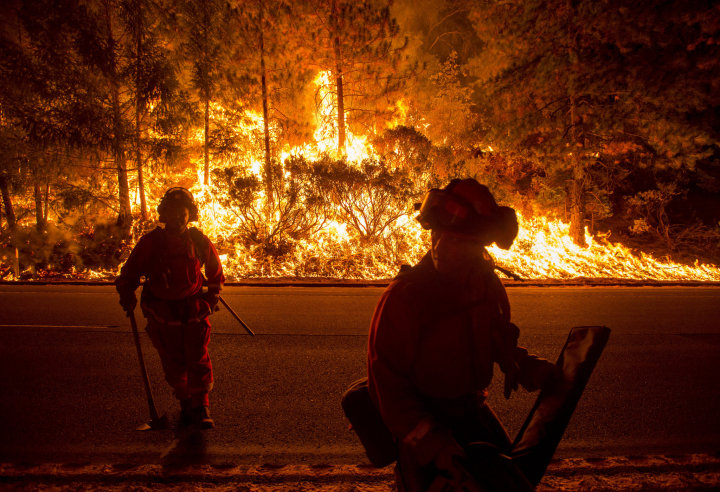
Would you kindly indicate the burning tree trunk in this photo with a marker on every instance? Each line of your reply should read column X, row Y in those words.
column 340, row 99
column 204, row 43
column 206, row 143
column 357, row 41
column 577, row 205
column 577, row 193
column 338, row 78
column 139, row 109
column 266, row 123
column 577, row 188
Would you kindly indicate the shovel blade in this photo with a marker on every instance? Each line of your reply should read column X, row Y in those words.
column 160, row 423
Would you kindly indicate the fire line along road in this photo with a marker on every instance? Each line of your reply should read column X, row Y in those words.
column 71, row 390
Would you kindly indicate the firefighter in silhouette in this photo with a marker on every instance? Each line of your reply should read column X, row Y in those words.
column 173, row 300
column 437, row 331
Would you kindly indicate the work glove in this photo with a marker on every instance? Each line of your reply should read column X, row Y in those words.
column 448, row 457
column 212, row 298
column 128, row 302
column 538, row 373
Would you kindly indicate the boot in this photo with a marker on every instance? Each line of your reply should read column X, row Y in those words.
column 201, row 417
column 186, row 411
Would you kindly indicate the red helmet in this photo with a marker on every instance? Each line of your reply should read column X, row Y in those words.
column 467, row 207
column 179, row 196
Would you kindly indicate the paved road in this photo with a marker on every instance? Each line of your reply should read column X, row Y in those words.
column 70, row 389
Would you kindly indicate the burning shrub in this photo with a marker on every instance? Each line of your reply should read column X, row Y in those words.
column 369, row 198
column 298, row 211
column 651, row 206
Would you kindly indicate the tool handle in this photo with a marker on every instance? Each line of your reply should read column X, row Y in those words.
column 151, row 402
column 247, row 328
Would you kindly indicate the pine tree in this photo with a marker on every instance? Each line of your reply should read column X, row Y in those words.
column 74, row 67
column 89, row 85
column 270, row 75
column 359, row 44
column 152, row 77
column 579, row 84
column 204, row 26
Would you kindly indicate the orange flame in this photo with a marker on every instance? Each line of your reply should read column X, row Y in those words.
column 543, row 249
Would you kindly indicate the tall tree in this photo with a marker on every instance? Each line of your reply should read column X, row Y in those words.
column 75, row 66
column 25, row 167
column 359, row 44
column 152, row 77
column 11, row 40
column 204, row 24
column 272, row 74
column 579, row 84
column 90, row 82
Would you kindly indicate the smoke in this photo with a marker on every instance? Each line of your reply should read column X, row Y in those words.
column 59, row 251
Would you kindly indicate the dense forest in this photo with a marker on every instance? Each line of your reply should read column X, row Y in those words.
column 286, row 118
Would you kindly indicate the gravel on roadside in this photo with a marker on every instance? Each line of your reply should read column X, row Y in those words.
column 687, row 473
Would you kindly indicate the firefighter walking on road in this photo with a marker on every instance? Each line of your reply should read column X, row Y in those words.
column 437, row 331
column 173, row 300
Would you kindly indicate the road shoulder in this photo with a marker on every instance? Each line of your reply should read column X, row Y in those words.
column 691, row 473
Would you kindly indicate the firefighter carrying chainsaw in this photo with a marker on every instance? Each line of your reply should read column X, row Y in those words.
column 174, row 302
column 436, row 333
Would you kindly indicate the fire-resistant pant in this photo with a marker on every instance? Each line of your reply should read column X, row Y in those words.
column 183, row 350
column 470, row 420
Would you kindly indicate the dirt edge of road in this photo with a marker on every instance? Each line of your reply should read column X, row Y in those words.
column 691, row 473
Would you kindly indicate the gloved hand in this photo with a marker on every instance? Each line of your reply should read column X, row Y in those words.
column 212, row 298
column 128, row 301
column 445, row 459
column 543, row 372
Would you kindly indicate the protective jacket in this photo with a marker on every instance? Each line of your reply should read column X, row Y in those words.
column 432, row 341
column 172, row 267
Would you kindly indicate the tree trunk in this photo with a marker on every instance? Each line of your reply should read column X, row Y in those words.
column 266, row 122
column 577, row 205
column 124, row 220
column 7, row 203
column 339, row 83
column 341, row 114
column 47, row 203
column 138, row 111
column 577, row 149
column 206, row 143
column 340, row 99
column 39, row 217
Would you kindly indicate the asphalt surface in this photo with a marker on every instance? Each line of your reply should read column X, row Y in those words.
column 72, row 394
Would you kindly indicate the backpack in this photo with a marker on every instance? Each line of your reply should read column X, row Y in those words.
column 179, row 268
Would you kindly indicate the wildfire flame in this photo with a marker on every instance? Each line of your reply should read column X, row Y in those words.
column 543, row 249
